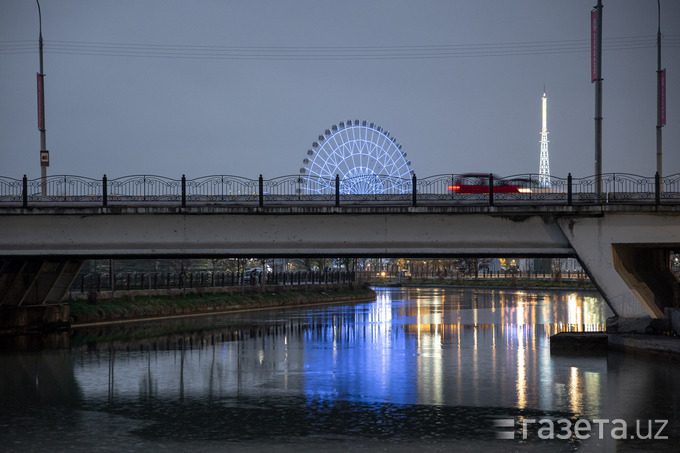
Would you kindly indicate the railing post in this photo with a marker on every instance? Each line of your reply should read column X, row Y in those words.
column 657, row 188
column 414, row 190
column 261, row 191
column 184, row 191
column 490, row 189
column 569, row 192
column 105, row 191
column 24, row 192
column 337, row 190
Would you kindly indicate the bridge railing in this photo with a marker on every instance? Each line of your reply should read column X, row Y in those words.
column 488, row 188
column 439, row 189
column 375, row 188
column 670, row 187
column 143, row 188
column 298, row 188
column 52, row 188
column 221, row 188
column 11, row 189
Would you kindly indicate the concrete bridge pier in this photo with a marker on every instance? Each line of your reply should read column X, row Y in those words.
column 627, row 256
column 31, row 291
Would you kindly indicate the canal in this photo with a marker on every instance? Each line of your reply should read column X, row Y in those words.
column 428, row 368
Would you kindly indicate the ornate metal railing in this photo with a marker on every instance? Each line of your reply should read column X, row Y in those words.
column 143, row 188
column 438, row 189
column 53, row 188
column 221, row 188
column 11, row 189
column 298, row 188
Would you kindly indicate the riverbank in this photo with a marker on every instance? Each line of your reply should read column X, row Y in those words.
column 129, row 306
column 646, row 345
column 642, row 345
column 138, row 307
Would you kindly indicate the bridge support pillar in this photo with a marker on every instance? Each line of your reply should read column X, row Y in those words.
column 31, row 293
column 34, row 318
column 626, row 257
column 646, row 272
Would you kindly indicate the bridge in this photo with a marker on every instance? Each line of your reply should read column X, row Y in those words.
column 622, row 236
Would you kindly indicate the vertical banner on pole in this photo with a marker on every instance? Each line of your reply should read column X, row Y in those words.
column 662, row 97
column 593, row 45
column 41, row 103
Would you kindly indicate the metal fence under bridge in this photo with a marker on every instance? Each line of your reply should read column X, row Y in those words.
column 442, row 274
column 153, row 281
column 296, row 189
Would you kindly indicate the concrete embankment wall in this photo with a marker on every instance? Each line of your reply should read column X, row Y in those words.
column 254, row 298
column 245, row 289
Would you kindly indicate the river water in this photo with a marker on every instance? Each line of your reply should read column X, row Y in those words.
column 429, row 369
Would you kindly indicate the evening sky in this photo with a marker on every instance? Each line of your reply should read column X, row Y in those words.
column 243, row 88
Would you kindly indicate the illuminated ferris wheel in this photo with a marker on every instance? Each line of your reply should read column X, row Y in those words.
column 366, row 158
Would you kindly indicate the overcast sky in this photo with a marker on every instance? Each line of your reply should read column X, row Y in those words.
column 200, row 87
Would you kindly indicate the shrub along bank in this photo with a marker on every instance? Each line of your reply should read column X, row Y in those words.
column 131, row 307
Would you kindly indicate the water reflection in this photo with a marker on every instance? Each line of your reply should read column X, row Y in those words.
column 416, row 365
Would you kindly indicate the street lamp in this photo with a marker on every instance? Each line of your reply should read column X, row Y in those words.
column 596, row 77
column 660, row 95
column 44, row 154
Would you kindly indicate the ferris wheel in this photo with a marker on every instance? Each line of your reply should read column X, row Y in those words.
column 363, row 155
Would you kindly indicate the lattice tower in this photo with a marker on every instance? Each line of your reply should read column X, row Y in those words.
column 544, row 164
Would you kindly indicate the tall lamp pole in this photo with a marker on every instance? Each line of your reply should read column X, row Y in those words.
column 44, row 154
column 660, row 95
column 596, row 71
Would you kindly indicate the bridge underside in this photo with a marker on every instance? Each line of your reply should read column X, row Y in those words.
column 622, row 251
column 269, row 235
column 31, row 291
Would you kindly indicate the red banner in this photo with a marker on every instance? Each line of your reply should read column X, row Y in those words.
column 593, row 46
column 662, row 97
column 41, row 103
